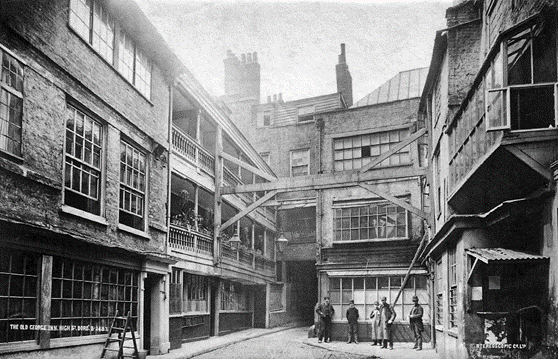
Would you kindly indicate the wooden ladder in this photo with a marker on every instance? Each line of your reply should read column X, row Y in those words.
column 121, row 325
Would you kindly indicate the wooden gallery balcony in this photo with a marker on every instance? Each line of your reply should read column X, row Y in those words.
column 190, row 241
column 246, row 262
column 502, row 139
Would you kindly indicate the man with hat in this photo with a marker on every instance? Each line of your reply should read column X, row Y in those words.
column 325, row 311
column 352, row 318
column 387, row 316
column 415, row 319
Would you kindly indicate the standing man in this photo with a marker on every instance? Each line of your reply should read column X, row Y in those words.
column 325, row 311
column 387, row 316
column 415, row 319
column 352, row 318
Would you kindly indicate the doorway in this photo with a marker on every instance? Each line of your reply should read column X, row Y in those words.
column 259, row 306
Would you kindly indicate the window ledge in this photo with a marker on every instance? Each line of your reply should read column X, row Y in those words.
column 66, row 342
column 439, row 328
column 14, row 347
column 83, row 214
column 134, row 231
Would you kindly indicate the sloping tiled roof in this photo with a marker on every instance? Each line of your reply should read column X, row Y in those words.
column 502, row 254
column 405, row 85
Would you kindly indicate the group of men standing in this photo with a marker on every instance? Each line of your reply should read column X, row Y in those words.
column 382, row 317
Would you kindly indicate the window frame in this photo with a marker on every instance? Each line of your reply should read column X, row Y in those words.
column 90, row 40
column 439, row 312
column 12, row 91
column 117, row 49
column 102, row 162
column 500, row 61
column 291, row 152
column 368, row 203
column 390, row 291
column 452, row 288
column 145, row 217
column 369, row 137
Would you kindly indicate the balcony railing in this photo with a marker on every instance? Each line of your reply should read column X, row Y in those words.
column 192, row 151
column 248, row 259
column 189, row 240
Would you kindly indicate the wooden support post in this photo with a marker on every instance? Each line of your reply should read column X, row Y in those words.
column 217, row 197
column 248, row 209
column 422, row 242
column 475, row 264
column 395, row 200
column 393, row 150
column 46, row 294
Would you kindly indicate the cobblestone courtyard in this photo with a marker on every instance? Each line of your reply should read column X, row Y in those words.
column 293, row 343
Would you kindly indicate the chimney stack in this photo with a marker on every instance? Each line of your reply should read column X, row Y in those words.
column 242, row 76
column 344, row 79
column 268, row 99
column 274, row 97
column 280, row 97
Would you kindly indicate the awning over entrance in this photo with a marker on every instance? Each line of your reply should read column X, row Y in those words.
column 488, row 255
column 500, row 256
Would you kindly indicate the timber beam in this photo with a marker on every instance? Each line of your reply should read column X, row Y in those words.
column 401, row 203
column 248, row 167
column 248, row 209
column 328, row 180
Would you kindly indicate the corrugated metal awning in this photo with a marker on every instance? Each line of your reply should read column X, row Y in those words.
column 488, row 255
column 374, row 271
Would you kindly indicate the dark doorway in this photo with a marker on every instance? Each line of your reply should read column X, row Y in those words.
column 304, row 289
column 149, row 284
column 259, row 306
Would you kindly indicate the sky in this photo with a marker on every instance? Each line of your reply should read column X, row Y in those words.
column 298, row 42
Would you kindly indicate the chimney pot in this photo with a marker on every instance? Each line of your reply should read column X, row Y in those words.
column 274, row 97
column 268, row 99
column 280, row 97
column 243, row 57
column 343, row 49
column 255, row 56
column 249, row 57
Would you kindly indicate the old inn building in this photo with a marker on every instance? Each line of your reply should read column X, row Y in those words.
column 490, row 105
column 110, row 157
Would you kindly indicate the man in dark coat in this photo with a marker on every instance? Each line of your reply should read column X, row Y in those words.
column 325, row 311
column 352, row 318
column 415, row 319
column 387, row 316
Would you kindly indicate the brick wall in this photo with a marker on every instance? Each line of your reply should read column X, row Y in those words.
column 464, row 50
column 62, row 67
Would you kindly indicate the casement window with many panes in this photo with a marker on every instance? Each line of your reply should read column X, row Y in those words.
column 369, row 221
column 233, row 297
column 11, row 103
column 87, row 296
column 134, row 65
column 19, row 294
column 367, row 290
column 452, row 278
column 90, row 20
column 354, row 152
column 439, row 294
column 132, row 186
column 83, row 161
column 95, row 25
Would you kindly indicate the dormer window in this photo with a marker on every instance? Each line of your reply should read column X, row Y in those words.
column 306, row 114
